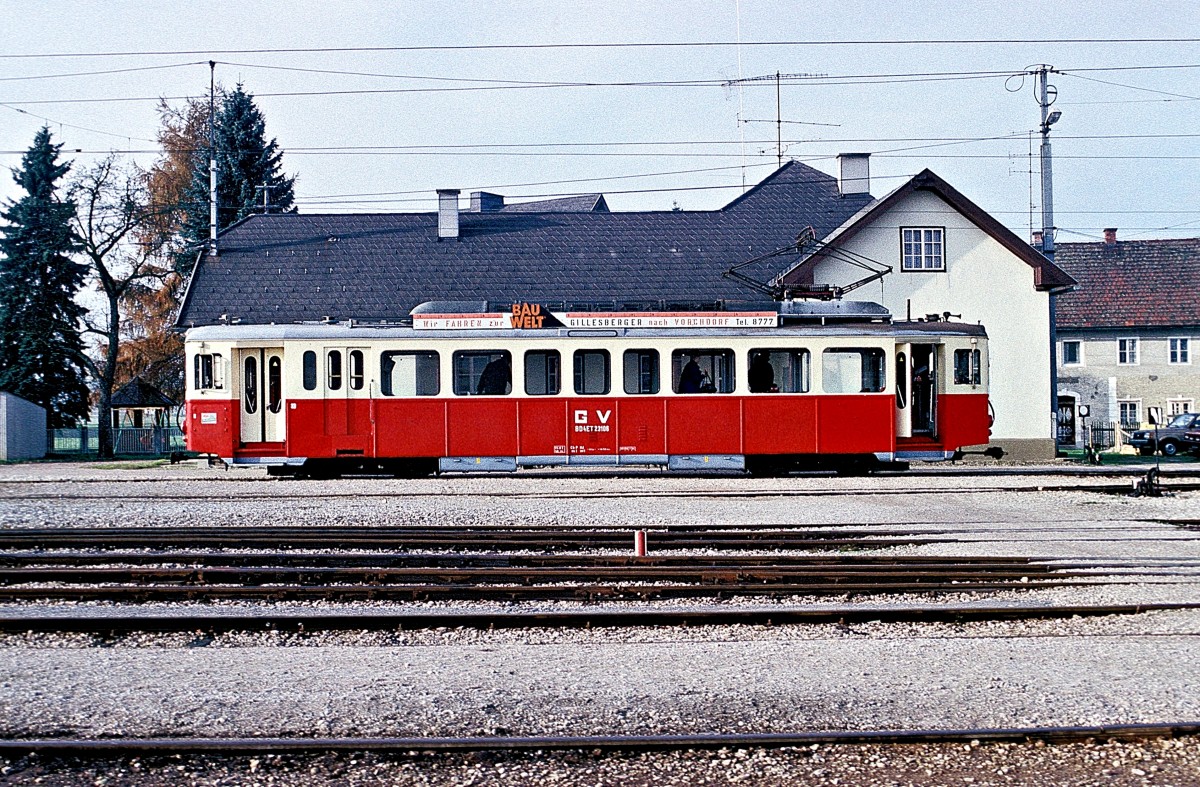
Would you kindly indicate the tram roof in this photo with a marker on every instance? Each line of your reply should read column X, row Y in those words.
column 286, row 268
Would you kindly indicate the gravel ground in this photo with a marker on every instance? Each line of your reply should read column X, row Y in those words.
column 1127, row 669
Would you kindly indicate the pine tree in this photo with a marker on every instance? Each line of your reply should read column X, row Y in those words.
column 245, row 161
column 41, row 350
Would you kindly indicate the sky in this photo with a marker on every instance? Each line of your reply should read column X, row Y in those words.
column 431, row 113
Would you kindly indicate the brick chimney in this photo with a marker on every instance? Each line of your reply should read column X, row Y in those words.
column 1110, row 236
column 447, row 213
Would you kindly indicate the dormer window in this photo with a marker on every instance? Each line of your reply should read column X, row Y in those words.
column 922, row 249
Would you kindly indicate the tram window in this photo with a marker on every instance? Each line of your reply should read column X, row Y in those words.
column 591, row 372
column 208, row 371
column 779, row 371
column 310, row 370
column 482, row 372
column 967, row 367
column 641, row 371
column 543, row 372
column 901, row 381
column 333, row 370
column 408, row 373
column 250, row 384
column 274, row 383
column 702, row 371
column 852, row 370
column 356, row 370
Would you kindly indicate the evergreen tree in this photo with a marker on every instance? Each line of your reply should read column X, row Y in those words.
column 245, row 161
column 41, row 350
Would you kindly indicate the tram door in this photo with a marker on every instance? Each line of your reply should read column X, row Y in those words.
column 262, row 416
column 903, row 391
column 347, row 391
column 923, row 389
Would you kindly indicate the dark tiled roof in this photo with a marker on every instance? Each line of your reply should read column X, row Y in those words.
column 580, row 204
column 139, row 393
column 1142, row 283
column 296, row 267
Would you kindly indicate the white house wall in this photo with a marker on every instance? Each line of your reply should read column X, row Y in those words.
column 983, row 282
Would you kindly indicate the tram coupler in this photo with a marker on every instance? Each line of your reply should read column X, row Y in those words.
column 992, row 452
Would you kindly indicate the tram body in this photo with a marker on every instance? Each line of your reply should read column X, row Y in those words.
column 774, row 389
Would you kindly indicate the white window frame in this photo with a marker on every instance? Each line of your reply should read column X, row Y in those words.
column 1179, row 347
column 1078, row 355
column 1123, row 348
column 1137, row 403
column 924, row 259
column 1179, row 406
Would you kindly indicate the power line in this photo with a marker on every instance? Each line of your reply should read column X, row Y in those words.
column 611, row 45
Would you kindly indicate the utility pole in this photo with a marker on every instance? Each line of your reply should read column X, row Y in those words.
column 212, row 155
column 1046, row 94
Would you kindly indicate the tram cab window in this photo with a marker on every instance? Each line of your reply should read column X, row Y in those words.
column 641, row 371
column 852, row 370
column 967, row 367
column 310, row 370
column 543, row 372
column 208, row 371
column 702, row 371
column 482, row 372
column 409, row 373
column 591, row 372
column 356, row 370
column 777, row 370
column 333, row 370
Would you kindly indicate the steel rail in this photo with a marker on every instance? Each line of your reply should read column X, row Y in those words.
column 1115, row 488
column 513, row 560
column 263, row 575
column 117, row 747
column 726, row 615
column 581, row 592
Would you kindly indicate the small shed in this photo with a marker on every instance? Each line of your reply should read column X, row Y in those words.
column 22, row 428
column 140, row 405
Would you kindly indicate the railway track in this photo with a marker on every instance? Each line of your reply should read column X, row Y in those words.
column 122, row 747
column 192, row 621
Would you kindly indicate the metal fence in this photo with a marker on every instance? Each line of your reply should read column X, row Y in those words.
column 151, row 441
column 1104, row 435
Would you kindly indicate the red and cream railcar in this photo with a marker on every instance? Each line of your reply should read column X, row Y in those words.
column 468, row 388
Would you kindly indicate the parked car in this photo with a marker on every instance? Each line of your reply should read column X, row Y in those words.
column 1191, row 443
column 1170, row 435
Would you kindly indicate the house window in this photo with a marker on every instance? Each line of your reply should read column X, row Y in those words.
column 922, row 249
column 1131, row 413
column 1127, row 352
column 1180, row 406
column 1179, row 351
column 1071, row 354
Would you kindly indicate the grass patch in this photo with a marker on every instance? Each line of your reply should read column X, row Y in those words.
column 131, row 465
